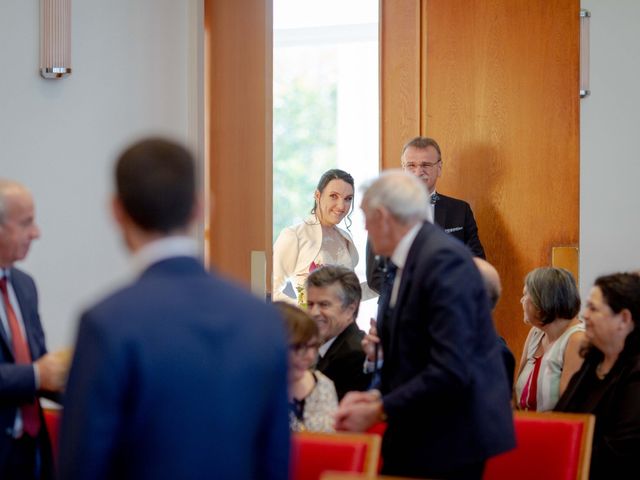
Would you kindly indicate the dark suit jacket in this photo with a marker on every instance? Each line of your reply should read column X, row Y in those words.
column 17, row 382
column 444, row 385
column 179, row 375
column 615, row 401
column 454, row 216
column 344, row 361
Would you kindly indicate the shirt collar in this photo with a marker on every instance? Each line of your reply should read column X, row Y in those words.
column 324, row 348
column 401, row 252
column 168, row 247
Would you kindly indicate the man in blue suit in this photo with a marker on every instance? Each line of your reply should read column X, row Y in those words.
column 179, row 375
column 27, row 371
column 444, row 390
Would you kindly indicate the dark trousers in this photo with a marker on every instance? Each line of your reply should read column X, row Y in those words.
column 24, row 460
column 471, row 471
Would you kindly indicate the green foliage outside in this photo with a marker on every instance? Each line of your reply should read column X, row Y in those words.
column 304, row 145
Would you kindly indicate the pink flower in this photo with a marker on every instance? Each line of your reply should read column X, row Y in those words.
column 314, row 266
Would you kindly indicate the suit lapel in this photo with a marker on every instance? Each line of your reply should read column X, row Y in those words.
column 25, row 304
column 334, row 348
column 440, row 212
column 5, row 340
column 405, row 283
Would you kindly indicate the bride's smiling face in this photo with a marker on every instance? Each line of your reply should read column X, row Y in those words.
column 334, row 202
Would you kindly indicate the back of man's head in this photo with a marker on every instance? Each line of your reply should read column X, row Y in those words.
column 401, row 193
column 155, row 183
column 491, row 280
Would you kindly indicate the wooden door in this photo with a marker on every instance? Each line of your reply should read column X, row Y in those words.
column 499, row 92
column 238, row 112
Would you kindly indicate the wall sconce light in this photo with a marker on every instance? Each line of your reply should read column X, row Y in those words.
column 55, row 38
column 585, row 19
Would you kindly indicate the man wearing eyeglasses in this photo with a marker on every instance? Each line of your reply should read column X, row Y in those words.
column 422, row 157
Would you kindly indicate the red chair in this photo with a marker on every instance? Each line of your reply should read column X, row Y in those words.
column 52, row 421
column 378, row 429
column 550, row 445
column 315, row 453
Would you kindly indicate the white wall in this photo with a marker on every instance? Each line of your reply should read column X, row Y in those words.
column 136, row 70
column 609, row 147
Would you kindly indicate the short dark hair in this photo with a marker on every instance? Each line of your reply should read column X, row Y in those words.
column 554, row 293
column 621, row 291
column 327, row 275
column 155, row 181
column 422, row 143
column 299, row 325
column 334, row 174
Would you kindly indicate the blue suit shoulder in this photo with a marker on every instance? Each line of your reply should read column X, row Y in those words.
column 181, row 288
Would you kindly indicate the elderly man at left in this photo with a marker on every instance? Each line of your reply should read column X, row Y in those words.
column 27, row 371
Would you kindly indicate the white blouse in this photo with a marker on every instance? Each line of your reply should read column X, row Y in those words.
column 302, row 247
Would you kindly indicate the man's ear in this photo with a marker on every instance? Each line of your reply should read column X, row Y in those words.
column 198, row 211
column 117, row 210
column 352, row 308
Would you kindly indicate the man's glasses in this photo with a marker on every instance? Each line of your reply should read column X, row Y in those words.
column 421, row 166
column 303, row 348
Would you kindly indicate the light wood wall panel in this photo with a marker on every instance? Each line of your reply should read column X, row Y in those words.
column 502, row 99
column 401, row 69
column 238, row 49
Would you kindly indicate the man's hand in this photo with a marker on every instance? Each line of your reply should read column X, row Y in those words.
column 358, row 411
column 53, row 370
column 371, row 341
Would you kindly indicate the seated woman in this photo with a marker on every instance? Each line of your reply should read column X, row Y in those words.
column 608, row 383
column 312, row 396
column 551, row 353
column 300, row 248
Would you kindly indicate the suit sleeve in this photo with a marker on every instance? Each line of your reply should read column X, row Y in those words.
column 449, row 332
column 93, row 404
column 375, row 269
column 471, row 238
column 274, row 437
column 285, row 257
column 622, row 439
column 18, row 382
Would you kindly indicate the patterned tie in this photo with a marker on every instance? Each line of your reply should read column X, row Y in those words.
column 30, row 415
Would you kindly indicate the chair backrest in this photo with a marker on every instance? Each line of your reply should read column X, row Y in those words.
column 314, row 453
column 358, row 476
column 52, row 420
column 550, row 445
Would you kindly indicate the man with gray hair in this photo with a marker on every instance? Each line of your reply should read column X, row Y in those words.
column 27, row 371
column 333, row 300
column 444, row 391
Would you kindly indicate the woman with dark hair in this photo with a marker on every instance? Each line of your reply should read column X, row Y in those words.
column 312, row 396
column 551, row 353
column 608, row 383
column 318, row 240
